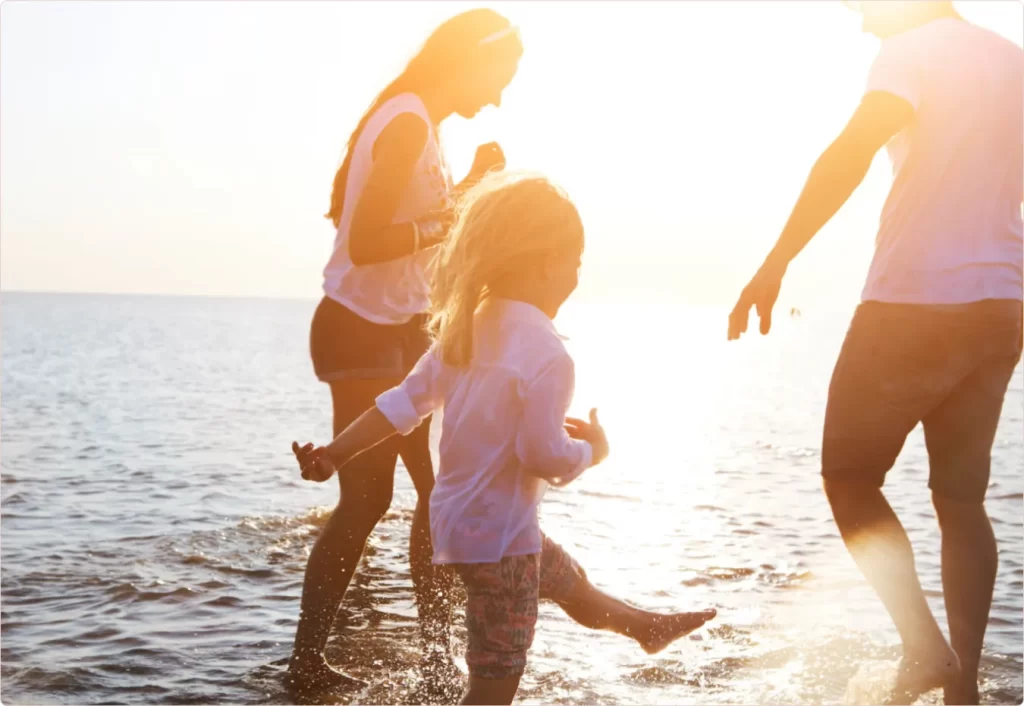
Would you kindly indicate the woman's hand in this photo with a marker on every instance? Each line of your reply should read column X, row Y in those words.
column 435, row 226
column 489, row 158
column 592, row 432
column 314, row 462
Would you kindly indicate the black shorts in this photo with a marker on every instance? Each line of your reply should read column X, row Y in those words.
column 344, row 345
column 947, row 367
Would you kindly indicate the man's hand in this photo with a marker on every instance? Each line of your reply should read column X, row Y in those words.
column 592, row 432
column 488, row 158
column 761, row 293
column 314, row 462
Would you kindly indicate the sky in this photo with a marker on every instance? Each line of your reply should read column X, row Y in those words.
column 189, row 147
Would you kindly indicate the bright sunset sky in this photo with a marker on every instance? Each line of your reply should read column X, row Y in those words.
column 188, row 148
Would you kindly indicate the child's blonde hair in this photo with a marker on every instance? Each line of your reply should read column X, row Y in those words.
column 504, row 223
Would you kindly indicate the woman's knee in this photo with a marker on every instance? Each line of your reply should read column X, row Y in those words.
column 365, row 506
column 367, row 489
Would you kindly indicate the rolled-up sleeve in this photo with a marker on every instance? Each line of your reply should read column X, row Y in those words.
column 544, row 447
column 416, row 398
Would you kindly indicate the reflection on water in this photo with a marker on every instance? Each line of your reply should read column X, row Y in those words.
column 155, row 533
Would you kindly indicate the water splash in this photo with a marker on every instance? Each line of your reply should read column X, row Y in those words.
column 871, row 684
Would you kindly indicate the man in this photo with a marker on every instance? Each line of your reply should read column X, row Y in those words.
column 938, row 333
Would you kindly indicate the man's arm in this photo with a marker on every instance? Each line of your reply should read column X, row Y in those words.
column 835, row 176
column 841, row 169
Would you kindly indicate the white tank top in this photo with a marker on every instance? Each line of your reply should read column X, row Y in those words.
column 394, row 291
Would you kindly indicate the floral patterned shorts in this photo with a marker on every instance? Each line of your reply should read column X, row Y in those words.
column 501, row 610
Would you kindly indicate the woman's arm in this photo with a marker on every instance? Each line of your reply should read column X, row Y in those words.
column 373, row 237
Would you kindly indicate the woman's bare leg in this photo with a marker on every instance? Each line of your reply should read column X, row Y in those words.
column 366, row 490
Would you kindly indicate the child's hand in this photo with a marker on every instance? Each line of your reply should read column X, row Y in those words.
column 315, row 463
column 592, row 433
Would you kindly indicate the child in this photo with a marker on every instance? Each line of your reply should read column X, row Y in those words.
column 505, row 381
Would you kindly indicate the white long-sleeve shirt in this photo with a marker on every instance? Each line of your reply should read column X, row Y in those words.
column 503, row 439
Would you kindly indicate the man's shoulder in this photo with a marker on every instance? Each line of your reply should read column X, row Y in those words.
column 948, row 47
column 951, row 31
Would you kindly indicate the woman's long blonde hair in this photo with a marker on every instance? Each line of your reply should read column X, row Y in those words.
column 505, row 224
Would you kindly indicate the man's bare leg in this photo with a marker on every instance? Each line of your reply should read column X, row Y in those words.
column 880, row 547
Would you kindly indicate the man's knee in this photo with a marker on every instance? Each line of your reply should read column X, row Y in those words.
column 856, row 506
column 845, row 494
column 959, row 516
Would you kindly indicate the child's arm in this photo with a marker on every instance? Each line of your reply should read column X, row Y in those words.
column 544, row 446
column 370, row 429
column 398, row 411
column 319, row 463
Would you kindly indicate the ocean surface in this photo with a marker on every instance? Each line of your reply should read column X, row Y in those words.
column 155, row 530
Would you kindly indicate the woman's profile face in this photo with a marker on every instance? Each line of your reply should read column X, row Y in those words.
column 482, row 84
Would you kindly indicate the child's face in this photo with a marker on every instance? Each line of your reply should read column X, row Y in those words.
column 562, row 271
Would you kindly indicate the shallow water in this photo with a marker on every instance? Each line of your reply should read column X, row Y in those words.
column 154, row 530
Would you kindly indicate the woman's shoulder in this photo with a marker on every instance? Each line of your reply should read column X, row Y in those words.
column 403, row 104
column 405, row 133
column 400, row 125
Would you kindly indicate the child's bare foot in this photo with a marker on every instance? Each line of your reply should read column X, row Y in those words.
column 317, row 675
column 920, row 674
column 657, row 632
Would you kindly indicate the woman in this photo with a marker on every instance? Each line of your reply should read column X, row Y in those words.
column 391, row 205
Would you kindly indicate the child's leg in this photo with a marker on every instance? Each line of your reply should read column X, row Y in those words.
column 501, row 615
column 563, row 581
column 592, row 608
column 491, row 691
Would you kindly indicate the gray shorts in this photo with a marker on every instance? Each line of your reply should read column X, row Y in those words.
column 947, row 367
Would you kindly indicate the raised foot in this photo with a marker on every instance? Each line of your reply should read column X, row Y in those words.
column 662, row 630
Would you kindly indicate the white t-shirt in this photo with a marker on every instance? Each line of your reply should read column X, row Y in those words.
column 390, row 292
column 951, row 231
column 502, row 439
